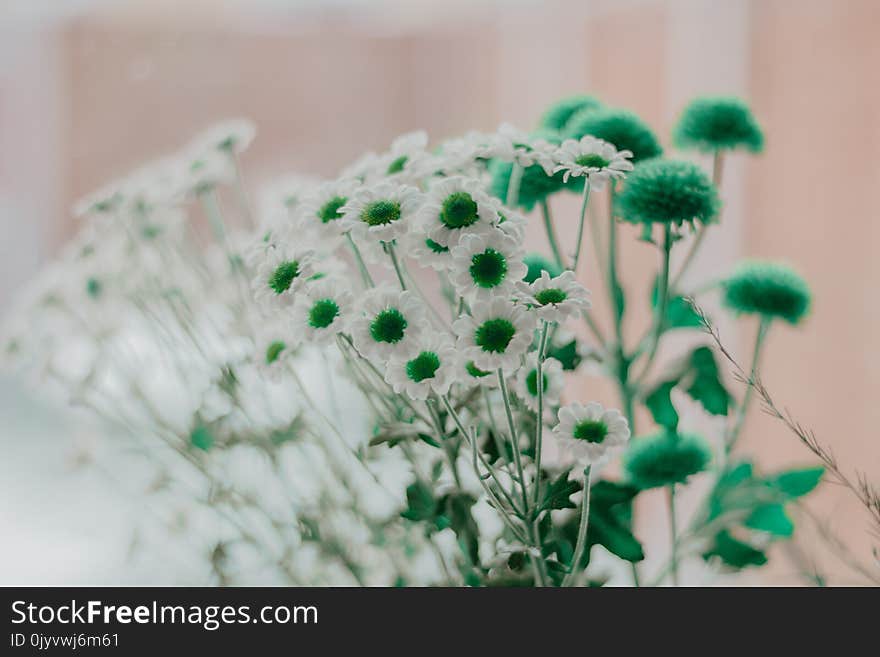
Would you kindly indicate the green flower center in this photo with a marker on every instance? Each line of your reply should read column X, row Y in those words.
column 380, row 213
column 532, row 382
column 494, row 335
column 424, row 366
column 322, row 313
column 273, row 351
column 397, row 165
column 93, row 288
column 593, row 431
column 282, row 278
column 592, row 160
column 435, row 247
column 488, row 268
column 330, row 210
column 475, row 371
column 459, row 210
column 388, row 326
column 550, row 295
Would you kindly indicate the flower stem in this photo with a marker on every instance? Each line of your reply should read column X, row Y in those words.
column 392, row 253
column 513, row 184
column 581, row 544
column 673, row 533
column 514, row 443
column 732, row 437
column 362, row 267
column 539, row 424
column 580, row 231
column 551, row 233
column 662, row 299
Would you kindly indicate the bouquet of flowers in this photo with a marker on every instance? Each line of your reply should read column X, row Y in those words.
column 368, row 380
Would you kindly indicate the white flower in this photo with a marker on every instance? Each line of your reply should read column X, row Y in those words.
column 285, row 194
column 464, row 154
column 514, row 145
column 591, row 157
column 432, row 368
column 496, row 335
column 510, row 221
column 555, row 299
column 205, row 170
column 230, row 136
column 486, row 266
column 390, row 323
column 426, row 252
column 283, row 271
column 591, row 434
column 272, row 351
column 527, row 381
column 323, row 310
column 407, row 160
column 471, row 375
column 455, row 207
column 381, row 212
column 319, row 213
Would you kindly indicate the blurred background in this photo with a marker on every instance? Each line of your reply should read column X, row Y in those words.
column 89, row 89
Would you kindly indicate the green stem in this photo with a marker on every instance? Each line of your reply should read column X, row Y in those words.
column 673, row 532
column 551, row 234
column 763, row 327
column 581, row 544
column 514, row 443
column 580, row 231
column 513, row 184
column 539, row 424
column 392, row 253
column 662, row 300
column 362, row 267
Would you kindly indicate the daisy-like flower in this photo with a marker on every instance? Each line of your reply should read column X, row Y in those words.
column 205, row 170
column 282, row 273
column 496, row 335
column 272, row 349
column 320, row 212
column 455, row 207
column 426, row 252
column 513, row 145
column 321, row 312
column 486, row 266
column 510, row 221
column 432, row 368
column 407, row 160
column 555, row 299
column 230, row 136
column 598, row 160
column 473, row 376
column 591, row 434
column 527, row 381
column 380, row 213
column 390, row 324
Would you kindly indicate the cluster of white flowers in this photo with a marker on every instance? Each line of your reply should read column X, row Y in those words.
column 181, row 312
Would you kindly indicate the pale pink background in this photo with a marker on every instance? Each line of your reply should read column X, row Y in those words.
column 95, row 88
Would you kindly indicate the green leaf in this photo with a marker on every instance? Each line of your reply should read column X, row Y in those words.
column 735, row 553
column 706, row 386
column 201, row 438
column 771, row 518
column 796, row 483
column 455, row 513
column 420, row 502
column 558, row 492
column 679, row 313
column 567, row 354
column 659, row 403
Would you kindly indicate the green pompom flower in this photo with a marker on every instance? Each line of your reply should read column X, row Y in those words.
column 536, row 263
column 665, row 459
column 623, row 129
column 768, row 289
column 558, row 114
column 668, row 191
column 718, row 123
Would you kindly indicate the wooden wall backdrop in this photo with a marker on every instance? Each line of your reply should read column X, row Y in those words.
column 324, row 85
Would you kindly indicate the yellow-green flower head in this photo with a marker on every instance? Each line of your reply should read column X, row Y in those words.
column 768, row 289
column 665, row 459
column 668, row 191
column 718, row 123
column 556, row 116
column 536, row 263
column 623, row 129
column 535, row 184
